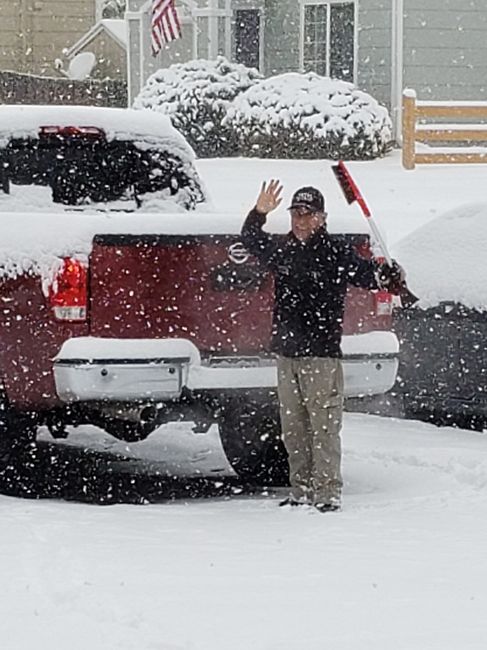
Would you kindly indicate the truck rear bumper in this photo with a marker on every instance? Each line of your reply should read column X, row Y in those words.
column 93, row 369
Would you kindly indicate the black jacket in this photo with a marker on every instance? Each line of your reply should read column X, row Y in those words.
column 311, row 281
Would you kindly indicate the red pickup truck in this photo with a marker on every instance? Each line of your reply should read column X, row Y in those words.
column 126, row 302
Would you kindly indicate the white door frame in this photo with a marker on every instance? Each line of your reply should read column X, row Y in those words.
column 397, row 67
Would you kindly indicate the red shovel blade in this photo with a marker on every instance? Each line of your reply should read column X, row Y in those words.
column 345, row 182
column 349, row 188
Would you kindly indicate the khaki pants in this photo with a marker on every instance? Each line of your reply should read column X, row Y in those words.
column 311, row 400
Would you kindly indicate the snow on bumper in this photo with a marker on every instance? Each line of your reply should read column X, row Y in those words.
column 88, row 369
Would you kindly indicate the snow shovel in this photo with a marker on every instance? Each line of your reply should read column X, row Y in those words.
column 352, row 194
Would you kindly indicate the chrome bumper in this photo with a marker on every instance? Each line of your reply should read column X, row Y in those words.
column 91, row 369
column 123, row 370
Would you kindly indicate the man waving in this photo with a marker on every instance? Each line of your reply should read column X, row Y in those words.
column 311, row 269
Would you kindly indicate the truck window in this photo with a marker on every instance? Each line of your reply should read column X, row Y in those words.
column 81, row 167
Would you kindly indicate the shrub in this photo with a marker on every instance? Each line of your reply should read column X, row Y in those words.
column 197, row 96
column 308, row 116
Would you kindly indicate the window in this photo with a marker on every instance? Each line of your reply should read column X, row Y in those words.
column 328, row 39
column 85, row 169
column 247, row 37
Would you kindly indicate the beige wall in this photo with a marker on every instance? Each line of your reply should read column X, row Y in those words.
column 34, row 32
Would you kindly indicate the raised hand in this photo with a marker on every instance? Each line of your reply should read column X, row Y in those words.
column 270, row 197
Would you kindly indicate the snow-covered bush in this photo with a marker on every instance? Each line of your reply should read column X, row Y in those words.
column 308, row 116
column 197, row 96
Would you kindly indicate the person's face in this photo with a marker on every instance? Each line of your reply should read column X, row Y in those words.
column 305, row 223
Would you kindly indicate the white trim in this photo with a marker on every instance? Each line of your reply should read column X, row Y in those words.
column 195, row 37
column 302, row 6
column 130, row 97
column 147, row 5
column 206, row 12
column 301, row 37
column 262, row 41
column 141, row 52
column 99, row 10
column 397, row 67
column 228, row 29
column 328, row 39
column 356, row 19
column 193, row 8
column 213, row 13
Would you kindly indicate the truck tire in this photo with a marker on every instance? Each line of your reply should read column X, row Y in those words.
column 250, row 435
column 7, row 447
column 17, row 431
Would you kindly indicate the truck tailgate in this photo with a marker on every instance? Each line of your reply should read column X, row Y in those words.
column 204, row 288
column 179, row 286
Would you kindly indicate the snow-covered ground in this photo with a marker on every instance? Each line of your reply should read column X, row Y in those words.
column 403, row 567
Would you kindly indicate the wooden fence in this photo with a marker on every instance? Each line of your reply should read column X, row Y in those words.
column 17, row 88
column 456, row 126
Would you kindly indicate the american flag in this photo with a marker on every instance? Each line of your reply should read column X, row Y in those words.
column 165, row 24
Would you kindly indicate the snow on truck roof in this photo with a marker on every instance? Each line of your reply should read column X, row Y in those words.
column 144, row 128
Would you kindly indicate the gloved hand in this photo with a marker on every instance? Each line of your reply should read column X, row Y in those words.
column 391, row 278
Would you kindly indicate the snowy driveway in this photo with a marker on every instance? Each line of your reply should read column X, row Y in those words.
column 402, row 567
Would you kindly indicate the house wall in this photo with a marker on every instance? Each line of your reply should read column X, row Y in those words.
column 34, row 32
column 110, row 56
column 281, row 51
column 374, row 53
column 445, row 48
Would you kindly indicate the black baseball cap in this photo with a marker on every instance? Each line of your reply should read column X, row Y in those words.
column 308, row 197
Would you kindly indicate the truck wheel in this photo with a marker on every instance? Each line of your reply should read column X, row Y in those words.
column 7, row 448
column 250, row 435
column 17, row 431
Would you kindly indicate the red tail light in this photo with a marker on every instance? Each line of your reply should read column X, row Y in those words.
column 69, row 293
column 383, row 303
column 72, row 132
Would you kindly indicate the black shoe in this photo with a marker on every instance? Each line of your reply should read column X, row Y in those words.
column 290, row 501
column 327, row 507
